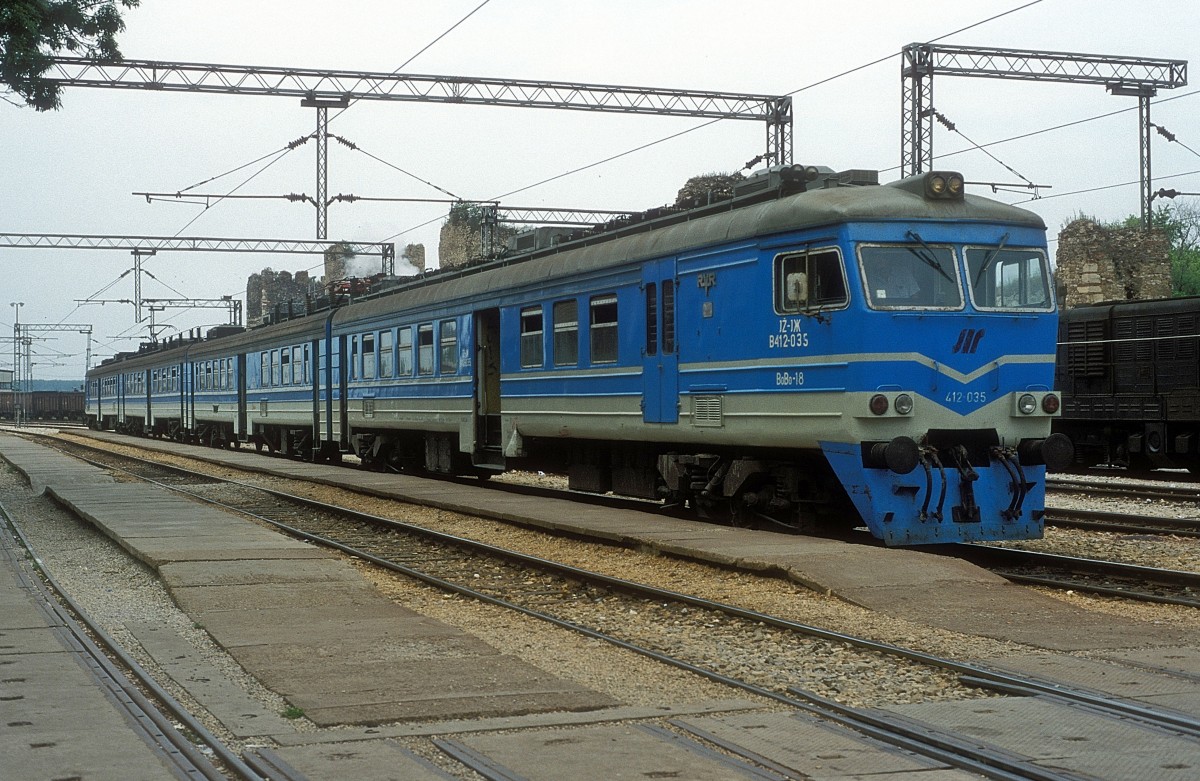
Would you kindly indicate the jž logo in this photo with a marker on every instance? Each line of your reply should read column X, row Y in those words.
column 968, row 341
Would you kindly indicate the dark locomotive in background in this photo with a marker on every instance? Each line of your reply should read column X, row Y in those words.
column 1130, row 377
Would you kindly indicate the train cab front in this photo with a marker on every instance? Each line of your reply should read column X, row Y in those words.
column 951, row 485
column 948, row 414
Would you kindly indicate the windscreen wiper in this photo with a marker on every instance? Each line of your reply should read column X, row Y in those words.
column 928, row 256
column 987, row 262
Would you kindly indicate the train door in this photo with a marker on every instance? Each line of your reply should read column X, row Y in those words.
column 660, row 359
column 118, row 400
column 312, row 375
column 240, row 425
column 140, row 399
column 329, row 374
column 488, row 445
column 189, row 381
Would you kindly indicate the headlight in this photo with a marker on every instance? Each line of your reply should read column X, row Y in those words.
column 1050, row 404
column 878, row 404
column 904, row 404
column 1027, row 404
column 944, row 185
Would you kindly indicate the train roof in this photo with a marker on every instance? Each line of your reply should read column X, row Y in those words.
column 777, row 201
column 721, row 223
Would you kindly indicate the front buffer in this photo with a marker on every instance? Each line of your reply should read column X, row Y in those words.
column 923, row 495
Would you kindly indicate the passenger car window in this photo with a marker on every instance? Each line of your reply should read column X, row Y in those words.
column 385, row 354
column 425, row 349
column 449, row 344
column 531, row 338
column 809, row 281
column 368, row 356
column 404, row 359
column 603, row 328
column 566, row 333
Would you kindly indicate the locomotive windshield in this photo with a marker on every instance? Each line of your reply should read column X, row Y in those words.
column 910, row 276
column 1009, row 278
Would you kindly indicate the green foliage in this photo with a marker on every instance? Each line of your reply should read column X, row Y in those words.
column 292, row 712
column 465, row 213
column 1181, row 224
column 33, row 32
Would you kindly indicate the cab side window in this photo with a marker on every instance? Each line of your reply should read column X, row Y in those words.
column 809, row 281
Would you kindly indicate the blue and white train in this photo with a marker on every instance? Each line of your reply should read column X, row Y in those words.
column 816, row 347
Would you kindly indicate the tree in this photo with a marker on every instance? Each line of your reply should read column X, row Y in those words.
column 33, row 32
column 1181, row 224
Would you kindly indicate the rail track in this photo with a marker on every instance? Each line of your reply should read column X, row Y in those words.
column 1124, row 489
column 129, row 686
column 1122, row 523
column 1110, row 578
column 1050, row 570
column 586, row 602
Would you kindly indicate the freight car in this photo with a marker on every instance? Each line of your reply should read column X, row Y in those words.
column 816, row 342
column 43, row 405
column 1130, row 377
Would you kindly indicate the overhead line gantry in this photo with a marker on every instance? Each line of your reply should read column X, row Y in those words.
column 1138, row 77
column 146, row 246
column 325, row 89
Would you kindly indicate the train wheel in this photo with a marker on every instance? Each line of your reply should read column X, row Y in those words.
column 739, row 516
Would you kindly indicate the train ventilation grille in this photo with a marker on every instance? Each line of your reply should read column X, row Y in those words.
column 708, row 410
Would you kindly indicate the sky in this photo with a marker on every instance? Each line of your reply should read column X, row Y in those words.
column 73, row 171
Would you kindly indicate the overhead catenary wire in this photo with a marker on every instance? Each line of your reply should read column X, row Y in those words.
column 1100, row 188
column 675, row 135
column 293, row 145
column 709, row 123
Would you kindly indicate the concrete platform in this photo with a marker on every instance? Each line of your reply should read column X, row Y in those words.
column 1160, row 689
column 312, row 631
column 934, row 590
column 58, row 722
column 380, row 760
column 600, row 754
column 42, row 465
column 1065, row 737
column 796, row 744
column 300, row 620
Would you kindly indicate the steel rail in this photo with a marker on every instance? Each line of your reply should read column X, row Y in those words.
column 992, row 556
column 1096, row 520
column 1126, row 490
column 1124, row 708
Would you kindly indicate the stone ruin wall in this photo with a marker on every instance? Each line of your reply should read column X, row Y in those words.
column 269, row 287
column 1103, row 264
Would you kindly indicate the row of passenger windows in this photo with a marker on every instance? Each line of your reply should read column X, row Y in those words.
column 277, row 368
column 164, row 380
column 372, row 354
column 390, row 353
column 564, row 346
column 135, row 383
column 213, row 375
